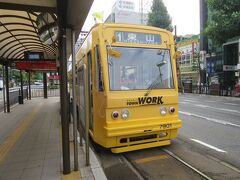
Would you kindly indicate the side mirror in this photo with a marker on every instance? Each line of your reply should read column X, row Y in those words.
column 114, row 53
column 177, row 55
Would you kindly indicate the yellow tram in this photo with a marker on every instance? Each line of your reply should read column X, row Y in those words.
column 127, row 86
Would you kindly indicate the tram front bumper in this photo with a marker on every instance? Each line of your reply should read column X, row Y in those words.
column 140, row 146
column 142, row 128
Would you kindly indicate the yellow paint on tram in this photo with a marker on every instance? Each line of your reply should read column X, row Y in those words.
column 127, row 86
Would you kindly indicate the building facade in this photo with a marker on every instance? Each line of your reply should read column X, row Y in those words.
column 124, row 11
column 190, row 62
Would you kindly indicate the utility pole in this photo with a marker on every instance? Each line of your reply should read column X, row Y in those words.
column 177, row 62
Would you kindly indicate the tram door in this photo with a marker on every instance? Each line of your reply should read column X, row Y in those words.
column 90, row 92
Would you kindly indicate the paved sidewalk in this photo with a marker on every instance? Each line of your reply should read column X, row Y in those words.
column 30, row 144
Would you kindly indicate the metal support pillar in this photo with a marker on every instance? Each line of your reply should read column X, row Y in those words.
column 45, row 85
column 64, row 101
column 4, row 99
column 7, row 88
column 74, row 103
column 21, row 80
column 29, row 85
column 62, row 48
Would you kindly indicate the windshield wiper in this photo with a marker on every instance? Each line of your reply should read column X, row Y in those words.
column 154, row 83
column 152, row 86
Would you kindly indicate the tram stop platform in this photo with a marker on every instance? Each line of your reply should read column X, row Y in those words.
column 30, row 144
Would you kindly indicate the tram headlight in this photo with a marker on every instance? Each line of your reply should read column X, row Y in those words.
column 125, row 114
column 115, row 114
column 163, row 111
column 171, row 110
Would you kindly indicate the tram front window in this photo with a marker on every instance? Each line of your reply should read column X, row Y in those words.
column 139, row 69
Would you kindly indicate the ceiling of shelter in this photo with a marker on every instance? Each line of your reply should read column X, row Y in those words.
column 19, row 33
column 18, row 29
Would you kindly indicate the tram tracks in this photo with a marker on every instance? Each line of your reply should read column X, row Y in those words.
column 187, row 164
column 133, row 167
column 143, row 176
column 162, row 163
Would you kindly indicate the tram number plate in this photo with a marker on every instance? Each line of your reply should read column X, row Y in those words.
column 165, row 126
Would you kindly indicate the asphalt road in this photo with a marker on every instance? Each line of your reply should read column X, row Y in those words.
column 212, row 123
column 208, row 141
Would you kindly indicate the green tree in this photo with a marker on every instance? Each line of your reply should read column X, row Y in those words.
column 37, row 76
column 224, row 20
column 159, row 16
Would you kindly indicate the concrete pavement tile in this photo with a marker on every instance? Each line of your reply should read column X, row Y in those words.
column 24, row 148
column 31, row 178
column 13, row 159
column 86, row 171
column 51, row 177
column 11, row 175
column 99, row 174
column 37, row 152
column 36, row 157
column 52, row 155
column 52, row 162
column 88, row 178
column 34, row 164
column 19, row 153
column 38, row 146
column 53, row 149
column 15, row 166
column 2, row 168
column 51, row 169
column 33, row 172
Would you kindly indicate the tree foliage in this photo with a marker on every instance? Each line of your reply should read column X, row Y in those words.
column 159, row 16
column 224, row 20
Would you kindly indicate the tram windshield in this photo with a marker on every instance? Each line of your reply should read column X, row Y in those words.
column 139, row 69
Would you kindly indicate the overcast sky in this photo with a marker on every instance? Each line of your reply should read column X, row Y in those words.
column 184, row 13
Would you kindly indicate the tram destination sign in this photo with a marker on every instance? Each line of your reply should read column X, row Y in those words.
column 137, row 38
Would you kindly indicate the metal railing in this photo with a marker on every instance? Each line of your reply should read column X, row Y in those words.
column 38, row 92
column 211, row 90
column 14, row 94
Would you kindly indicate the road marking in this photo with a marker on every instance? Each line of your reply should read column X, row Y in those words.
column 210, row 101
column 152, row 158
column 190, row 100
column 210, row 119
column 209, row 146
column 201, row 105
column 206, row 106
column 231, row 104
column 8, row 143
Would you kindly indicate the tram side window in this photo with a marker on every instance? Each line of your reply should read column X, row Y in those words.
column 82, row 95
column 99, row 79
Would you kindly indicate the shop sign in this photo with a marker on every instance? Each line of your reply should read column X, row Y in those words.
column 229, row 68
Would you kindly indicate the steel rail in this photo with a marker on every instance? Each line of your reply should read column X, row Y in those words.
column 186, row 164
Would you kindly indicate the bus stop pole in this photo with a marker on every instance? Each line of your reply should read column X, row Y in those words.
column 45, row 86
column 29, row 84
column 7, row 88
column 87, row 89
column 21, row 79
column 74, row 102
column 4, row 99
